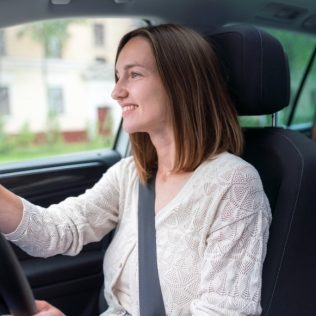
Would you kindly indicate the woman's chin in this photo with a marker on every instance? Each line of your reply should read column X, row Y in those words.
column 130, row 129
column 136, row 128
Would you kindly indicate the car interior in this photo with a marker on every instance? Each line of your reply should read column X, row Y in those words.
column 258, row 74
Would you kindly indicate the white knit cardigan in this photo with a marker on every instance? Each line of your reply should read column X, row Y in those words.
column 211, row 238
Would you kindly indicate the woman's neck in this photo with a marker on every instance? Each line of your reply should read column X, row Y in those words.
column 165, row 147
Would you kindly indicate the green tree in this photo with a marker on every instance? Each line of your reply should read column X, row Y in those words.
column 51, row 35
column 299, row 48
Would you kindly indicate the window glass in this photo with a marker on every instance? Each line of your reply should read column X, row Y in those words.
column 306, row 106
column 56, row 79
column 299, row 48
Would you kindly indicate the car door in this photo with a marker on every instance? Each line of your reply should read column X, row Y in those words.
column 70, row 283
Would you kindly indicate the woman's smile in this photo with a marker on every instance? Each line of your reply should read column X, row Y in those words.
column 126, row 109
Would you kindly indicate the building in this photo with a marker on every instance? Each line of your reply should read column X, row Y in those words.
column 59, row 75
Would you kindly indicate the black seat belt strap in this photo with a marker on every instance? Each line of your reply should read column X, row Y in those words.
column 150, row 297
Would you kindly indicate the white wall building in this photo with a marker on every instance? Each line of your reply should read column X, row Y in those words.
column 74, row 80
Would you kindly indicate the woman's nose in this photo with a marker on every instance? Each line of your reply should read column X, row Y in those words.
column 119, row 91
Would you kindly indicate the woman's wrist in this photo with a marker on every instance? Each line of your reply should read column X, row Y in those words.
column 11, row 210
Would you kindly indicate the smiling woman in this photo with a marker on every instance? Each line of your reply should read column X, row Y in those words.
column 188, row 76
column 212, row 216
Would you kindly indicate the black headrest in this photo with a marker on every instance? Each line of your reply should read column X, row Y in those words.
column 256, row 68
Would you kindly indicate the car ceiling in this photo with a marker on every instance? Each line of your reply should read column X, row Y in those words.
column 299, row 15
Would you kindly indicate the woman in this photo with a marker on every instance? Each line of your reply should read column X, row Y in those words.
column 212, row 216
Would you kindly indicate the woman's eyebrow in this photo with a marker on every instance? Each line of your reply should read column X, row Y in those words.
column 135, row 65
column 129, row 66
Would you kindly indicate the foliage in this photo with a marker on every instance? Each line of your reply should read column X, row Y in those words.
column 299, row 52
column 20, row 153
column 52, row 35
column 4, row 140
column 53, row 132
column 299, row 48
column 25, row 136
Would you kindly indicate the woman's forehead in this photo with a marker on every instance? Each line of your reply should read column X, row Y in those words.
column 136, row 52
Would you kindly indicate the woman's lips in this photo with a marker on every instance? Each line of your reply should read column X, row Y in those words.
column 129, row 107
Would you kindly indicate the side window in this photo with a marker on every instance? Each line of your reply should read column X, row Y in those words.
column 56, row 79
column 305, row 111
column 299, row 48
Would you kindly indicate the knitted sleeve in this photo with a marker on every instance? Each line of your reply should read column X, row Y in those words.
column 66, row 227
column 236, row 247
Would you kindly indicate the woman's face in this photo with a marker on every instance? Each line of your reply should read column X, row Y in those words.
column 139, row 89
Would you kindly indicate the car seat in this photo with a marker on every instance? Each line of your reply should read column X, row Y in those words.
column 257, row 75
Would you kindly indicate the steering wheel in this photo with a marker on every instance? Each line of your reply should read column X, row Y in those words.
column 14, row 287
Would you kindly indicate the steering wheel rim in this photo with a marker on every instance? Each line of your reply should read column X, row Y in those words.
column 14, row 287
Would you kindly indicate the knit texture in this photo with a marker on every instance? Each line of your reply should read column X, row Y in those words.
column 211, row 238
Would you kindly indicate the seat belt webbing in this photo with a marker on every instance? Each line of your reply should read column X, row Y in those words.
column 150, row 297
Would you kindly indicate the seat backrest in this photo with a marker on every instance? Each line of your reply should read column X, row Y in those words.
column 258, row 78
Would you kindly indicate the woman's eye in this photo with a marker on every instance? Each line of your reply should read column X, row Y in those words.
column 135, row 74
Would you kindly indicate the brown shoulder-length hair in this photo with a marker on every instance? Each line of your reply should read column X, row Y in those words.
column 203, row 117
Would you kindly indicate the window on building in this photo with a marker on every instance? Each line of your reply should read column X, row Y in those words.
column 55, row 100
column 4, row 101
column 98, row 30
column 2, row 43
column 54, row 47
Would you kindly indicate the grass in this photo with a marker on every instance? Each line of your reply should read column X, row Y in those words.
column 23, row 153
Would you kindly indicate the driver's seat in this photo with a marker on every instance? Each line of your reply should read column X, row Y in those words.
column 258, row 78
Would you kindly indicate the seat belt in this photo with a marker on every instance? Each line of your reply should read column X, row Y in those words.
column 150, row 297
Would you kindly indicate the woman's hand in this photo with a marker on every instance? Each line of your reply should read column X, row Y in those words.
column 45, row 309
